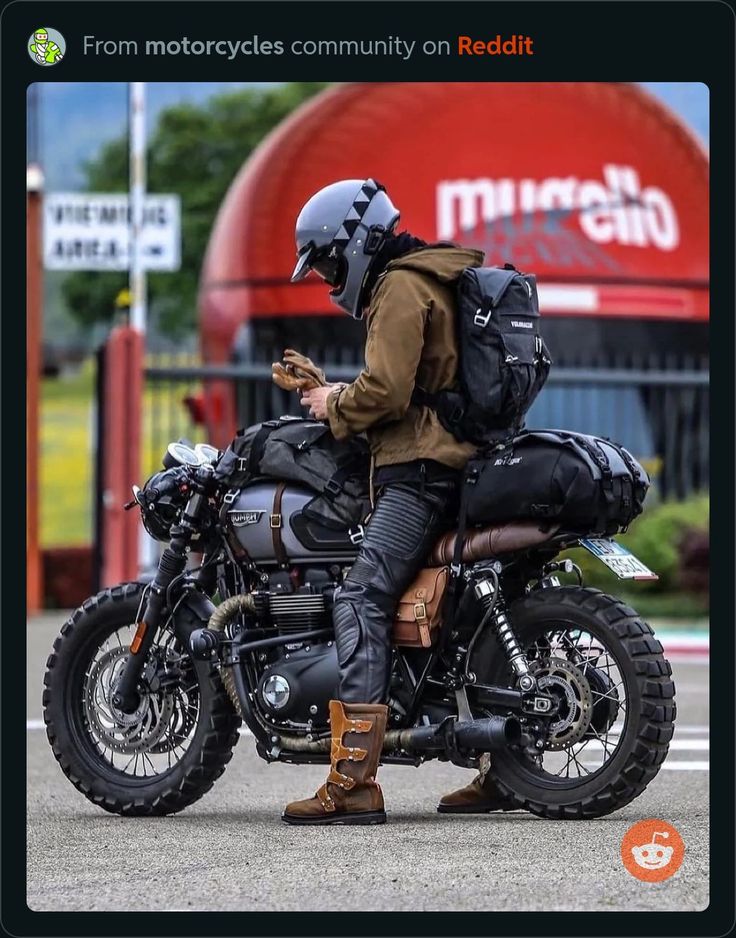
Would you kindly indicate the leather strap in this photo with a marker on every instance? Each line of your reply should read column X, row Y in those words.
column 276, row 522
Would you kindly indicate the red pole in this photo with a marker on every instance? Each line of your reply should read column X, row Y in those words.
column 34, row 303
column 121, row 453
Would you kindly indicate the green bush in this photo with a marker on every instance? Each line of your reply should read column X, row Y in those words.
column 658, row 538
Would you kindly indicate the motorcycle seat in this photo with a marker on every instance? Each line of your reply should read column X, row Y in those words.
column 482, row 543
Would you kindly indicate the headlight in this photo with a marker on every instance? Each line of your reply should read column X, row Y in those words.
column 161, row 501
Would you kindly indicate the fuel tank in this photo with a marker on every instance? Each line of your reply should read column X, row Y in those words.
column 253, row 521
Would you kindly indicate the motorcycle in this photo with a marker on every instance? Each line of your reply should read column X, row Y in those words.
column 565, row 688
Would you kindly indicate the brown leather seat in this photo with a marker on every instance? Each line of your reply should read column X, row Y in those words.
column 481, row 543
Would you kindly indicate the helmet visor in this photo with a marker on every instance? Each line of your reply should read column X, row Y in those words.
column 324, row 261
column 331, row 269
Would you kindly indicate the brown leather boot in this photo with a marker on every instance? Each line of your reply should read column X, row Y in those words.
column 479, row 797
column 351, row 794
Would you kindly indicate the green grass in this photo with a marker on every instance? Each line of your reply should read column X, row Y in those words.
column 66, row 457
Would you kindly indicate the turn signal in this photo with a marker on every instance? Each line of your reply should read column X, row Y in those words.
column 138, row 638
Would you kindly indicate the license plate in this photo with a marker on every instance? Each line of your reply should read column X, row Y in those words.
column 617, row 558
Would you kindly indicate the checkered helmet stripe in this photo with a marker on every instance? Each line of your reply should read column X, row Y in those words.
column 355, row 215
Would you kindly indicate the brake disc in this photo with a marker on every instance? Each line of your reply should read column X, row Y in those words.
column 568, row 683
column 119, row 731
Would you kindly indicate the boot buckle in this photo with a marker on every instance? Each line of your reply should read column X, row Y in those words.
column 324, row 799
column 360, row 726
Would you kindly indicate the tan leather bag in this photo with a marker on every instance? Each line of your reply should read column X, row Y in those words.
column 419, row 613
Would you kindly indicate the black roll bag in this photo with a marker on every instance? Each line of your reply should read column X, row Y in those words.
column 296, row 449
column 584, row 483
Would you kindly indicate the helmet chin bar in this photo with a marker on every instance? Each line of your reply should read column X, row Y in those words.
column 375, row 237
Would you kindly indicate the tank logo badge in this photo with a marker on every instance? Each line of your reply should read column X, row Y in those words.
column 240, row 518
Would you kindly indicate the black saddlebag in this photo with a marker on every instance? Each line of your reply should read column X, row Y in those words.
column 295, row 449
column 584, row 483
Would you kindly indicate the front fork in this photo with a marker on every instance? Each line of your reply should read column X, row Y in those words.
column 173, row 561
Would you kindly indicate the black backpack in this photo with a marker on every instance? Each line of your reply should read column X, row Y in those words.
column 584, row 483
column 503, row 359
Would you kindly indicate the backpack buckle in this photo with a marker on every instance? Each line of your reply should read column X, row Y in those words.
column 356, row 534
column 332, row 489
column 482, row 320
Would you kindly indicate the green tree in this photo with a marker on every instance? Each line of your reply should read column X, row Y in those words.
column 195, row 152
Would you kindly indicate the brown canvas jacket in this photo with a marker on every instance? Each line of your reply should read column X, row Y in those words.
column 411, row 340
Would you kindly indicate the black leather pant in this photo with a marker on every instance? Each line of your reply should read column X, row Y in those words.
column 404, row 526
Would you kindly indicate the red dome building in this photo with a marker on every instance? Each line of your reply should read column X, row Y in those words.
column 595, row 187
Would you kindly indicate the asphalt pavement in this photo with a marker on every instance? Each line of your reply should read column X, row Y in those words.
column 231, row 851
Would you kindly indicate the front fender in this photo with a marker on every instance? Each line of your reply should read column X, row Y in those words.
column 192, row 612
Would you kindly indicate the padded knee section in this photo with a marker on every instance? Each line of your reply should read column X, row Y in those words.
column 362, row 617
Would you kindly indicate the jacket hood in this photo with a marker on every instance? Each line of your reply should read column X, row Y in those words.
column 444, row 263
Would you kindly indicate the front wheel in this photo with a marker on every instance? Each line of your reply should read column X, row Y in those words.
column 616, row 705
column 165, row 755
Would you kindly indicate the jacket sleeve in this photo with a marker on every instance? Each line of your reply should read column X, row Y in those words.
column 393, row 349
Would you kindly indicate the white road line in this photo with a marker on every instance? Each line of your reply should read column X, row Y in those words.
column 688, row 745
column 675, row 744
column 694, row 729
column 686, row 766
column 39, row 725
column 671, row 765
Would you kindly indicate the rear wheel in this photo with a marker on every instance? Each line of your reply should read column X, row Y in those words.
column 616, row 705
column 165, row 755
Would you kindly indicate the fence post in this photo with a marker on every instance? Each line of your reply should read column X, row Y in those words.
column 34, row 288
column 120, row 458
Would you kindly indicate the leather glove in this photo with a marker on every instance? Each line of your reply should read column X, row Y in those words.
column 296, row 372
column 286, row 379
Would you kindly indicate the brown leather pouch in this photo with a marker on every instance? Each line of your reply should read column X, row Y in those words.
column 419, row 613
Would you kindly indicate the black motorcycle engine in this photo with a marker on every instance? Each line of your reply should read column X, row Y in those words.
column 297, row 686
column 305, row 607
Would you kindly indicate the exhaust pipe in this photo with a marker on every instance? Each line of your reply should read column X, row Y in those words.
column 491, row 733
column 487, row 735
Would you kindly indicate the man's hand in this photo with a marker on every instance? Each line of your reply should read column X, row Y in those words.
column 316, row 400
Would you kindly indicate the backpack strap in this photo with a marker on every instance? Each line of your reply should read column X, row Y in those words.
column 496, row 278
column 335, row 485
column 259, row 443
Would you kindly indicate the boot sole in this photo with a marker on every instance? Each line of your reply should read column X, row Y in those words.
column 358, row 817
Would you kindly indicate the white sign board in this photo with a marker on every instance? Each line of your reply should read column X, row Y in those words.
column 91, row 231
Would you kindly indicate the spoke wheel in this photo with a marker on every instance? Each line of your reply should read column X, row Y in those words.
column 616, row 705
column 169, row 751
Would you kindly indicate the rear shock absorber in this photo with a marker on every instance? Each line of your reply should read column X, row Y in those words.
column 486, row 594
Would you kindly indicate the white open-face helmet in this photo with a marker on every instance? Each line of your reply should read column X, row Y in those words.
column 338, row 233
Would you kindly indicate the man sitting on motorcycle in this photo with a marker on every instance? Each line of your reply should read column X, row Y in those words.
column 404, row 288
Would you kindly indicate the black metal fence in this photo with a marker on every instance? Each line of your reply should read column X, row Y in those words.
column 661, row 414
